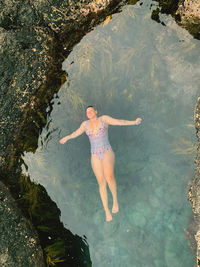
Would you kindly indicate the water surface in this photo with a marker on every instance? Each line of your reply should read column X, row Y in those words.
column 128, row 67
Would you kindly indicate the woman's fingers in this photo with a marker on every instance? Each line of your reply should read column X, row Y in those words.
column 62, row 141
column 138, row 120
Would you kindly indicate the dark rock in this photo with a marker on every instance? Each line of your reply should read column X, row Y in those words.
column 194, row 192
column 19, row 243
column 189, row 12
column 25, row 57
column 185, row 12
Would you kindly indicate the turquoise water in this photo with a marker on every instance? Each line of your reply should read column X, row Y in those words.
column 128, row 67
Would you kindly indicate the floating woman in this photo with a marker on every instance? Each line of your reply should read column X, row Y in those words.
column 102, row 155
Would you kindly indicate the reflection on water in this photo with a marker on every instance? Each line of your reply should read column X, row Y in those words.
column 128, row 67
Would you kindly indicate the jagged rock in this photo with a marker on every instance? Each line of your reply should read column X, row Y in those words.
column 194, row 192
column 189, row 11
column 25, row 58
column 19, row 244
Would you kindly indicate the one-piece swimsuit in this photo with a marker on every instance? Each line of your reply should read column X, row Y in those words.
column 99, row 142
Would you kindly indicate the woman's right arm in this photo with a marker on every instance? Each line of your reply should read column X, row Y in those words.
column 76, row 133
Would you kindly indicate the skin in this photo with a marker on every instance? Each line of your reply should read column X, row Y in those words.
column 103, row 169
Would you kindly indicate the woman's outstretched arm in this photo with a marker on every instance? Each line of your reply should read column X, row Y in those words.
column 112, row 121
column 76, row 133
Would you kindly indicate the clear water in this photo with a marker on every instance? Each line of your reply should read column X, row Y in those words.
column 128, row 67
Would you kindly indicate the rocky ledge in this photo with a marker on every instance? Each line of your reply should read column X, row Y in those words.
column 185, row 12
column 20, row 246
column 189, row 11
column 194, row 192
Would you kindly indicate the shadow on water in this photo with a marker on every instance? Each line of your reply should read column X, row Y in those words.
column 61, row 247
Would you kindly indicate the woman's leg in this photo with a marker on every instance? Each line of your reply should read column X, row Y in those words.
column 108, row 168
column 98, row 171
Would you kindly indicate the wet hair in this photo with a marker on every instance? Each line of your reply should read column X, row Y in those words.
column 90, row 107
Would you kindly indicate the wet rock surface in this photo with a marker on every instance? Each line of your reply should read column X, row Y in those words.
column 194, row 192
column 185, row 12
column 189, row 11
column 24, row 54
column 19, row 244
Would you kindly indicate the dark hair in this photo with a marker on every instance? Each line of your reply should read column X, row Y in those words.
column 89, row 107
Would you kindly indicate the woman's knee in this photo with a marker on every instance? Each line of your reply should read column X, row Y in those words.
column 102, row 182
column 109, row 177
column 108, row 168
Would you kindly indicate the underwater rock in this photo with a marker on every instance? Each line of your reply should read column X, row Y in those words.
column 19, row 243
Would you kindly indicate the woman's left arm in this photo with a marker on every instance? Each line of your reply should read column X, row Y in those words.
column 109, row 120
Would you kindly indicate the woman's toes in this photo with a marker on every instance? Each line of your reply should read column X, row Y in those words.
column 108, row 216
column 115, row 208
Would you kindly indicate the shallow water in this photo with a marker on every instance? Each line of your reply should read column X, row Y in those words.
column 128, row 67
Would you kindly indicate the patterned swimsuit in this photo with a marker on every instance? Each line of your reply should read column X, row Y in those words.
column 99, row 142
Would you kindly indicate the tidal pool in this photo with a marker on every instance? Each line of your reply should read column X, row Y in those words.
column 129, row 66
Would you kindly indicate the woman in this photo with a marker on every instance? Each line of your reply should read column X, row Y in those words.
column 102, row 155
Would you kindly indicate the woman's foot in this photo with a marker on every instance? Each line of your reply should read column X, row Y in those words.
column 115, row 208
column 108, row 216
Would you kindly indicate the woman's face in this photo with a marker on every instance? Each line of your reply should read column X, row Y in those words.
column 91, row 113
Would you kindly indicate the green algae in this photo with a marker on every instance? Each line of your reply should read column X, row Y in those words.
column 29, row 195
column 55, row 252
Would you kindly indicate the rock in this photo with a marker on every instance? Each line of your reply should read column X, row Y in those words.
column 185, row 12
column 25, row 55
column 194, row 192
column 189, row 11
column 19, row 243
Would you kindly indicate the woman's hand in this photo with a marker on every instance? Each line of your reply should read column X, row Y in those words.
column 138, row 121
column 64, row 140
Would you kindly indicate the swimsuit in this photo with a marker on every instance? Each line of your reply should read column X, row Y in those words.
column 99, row 142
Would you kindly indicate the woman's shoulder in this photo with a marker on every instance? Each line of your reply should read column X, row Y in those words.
column 84, row 123
column 103, row 118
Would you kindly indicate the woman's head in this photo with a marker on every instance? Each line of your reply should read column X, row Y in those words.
column 91, row 112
